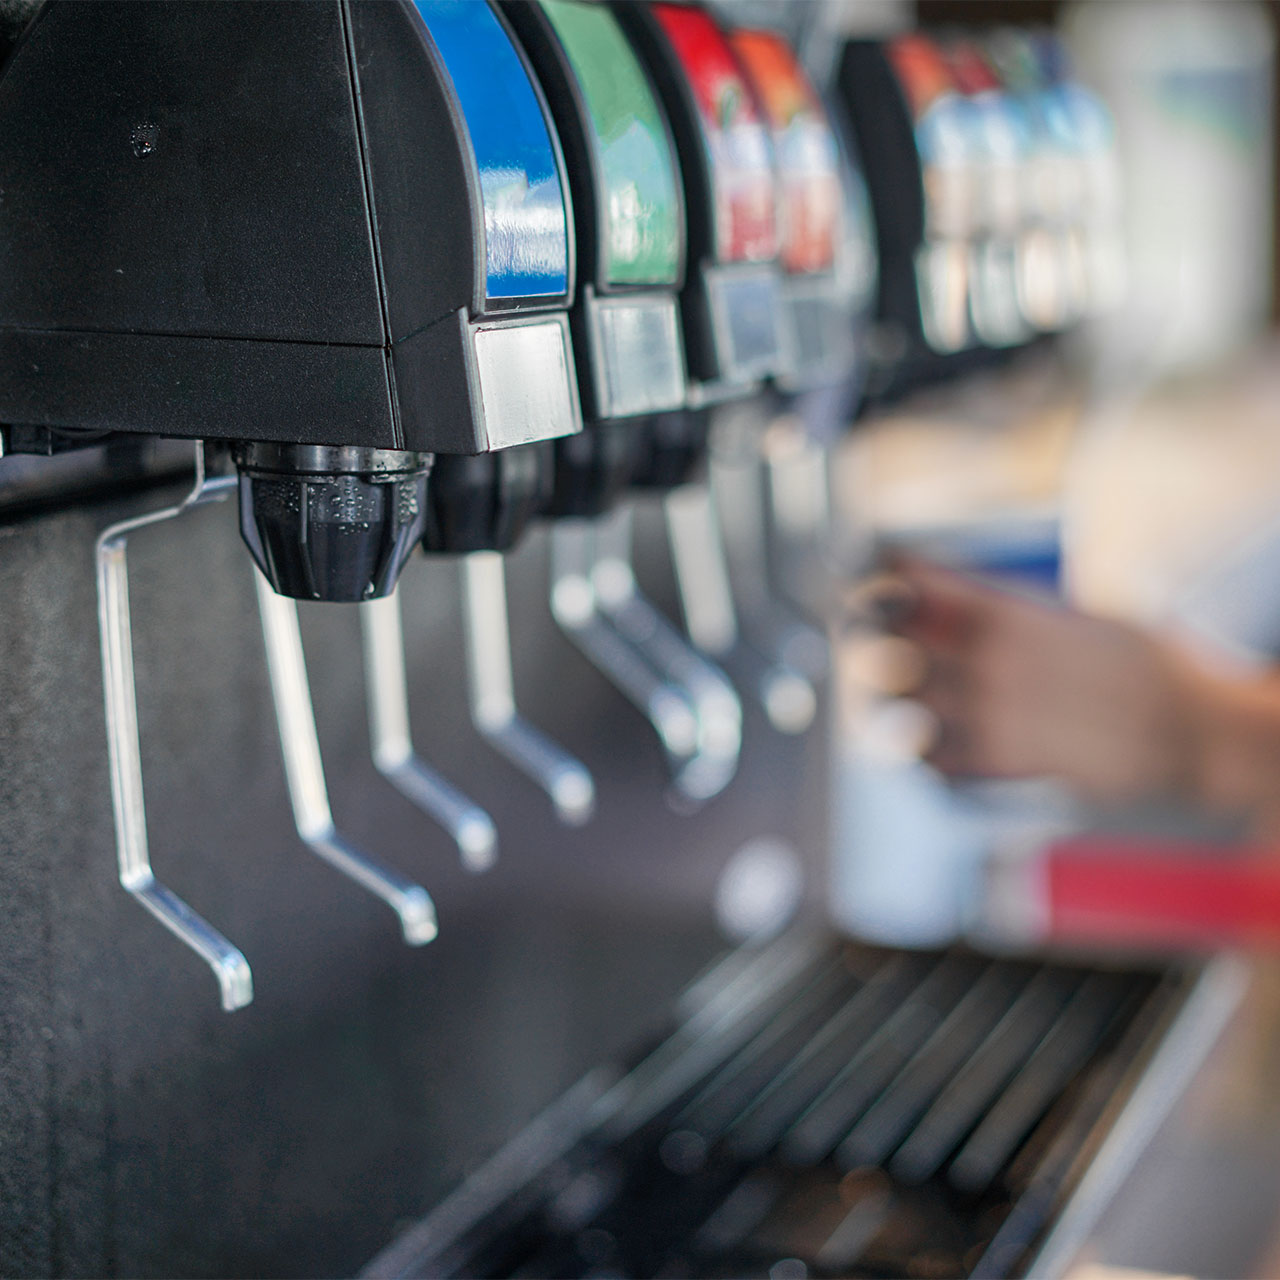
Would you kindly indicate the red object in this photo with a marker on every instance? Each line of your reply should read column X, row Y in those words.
column 922, row 71
column 973, row 73
column 738, row 143
column 808, row 159
column 1171, row 895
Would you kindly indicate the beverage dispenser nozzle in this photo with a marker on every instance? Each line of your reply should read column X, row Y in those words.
column 719, row 710
column 575, row 605
column 772, row 622
column 773, row 628
column 299, row 743
column 215, row 481
column 124, row 749
column 675, row 682
column 331, row 522
column 787, row 697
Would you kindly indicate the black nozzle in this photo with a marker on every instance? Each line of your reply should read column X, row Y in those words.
column 592, row 468
column 484, row 501
column 671, row 448
column 331, row 522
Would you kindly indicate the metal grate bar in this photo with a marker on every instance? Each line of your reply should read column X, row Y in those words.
column 1057, row 1058
column 875, row 1063
column 975, row 1086
column 760, row 1125
column 887, row 1121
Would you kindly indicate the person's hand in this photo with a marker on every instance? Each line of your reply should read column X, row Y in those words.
column 1021, row 688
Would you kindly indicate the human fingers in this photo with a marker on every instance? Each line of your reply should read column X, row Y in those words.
column 949, row 608
column 881, row 602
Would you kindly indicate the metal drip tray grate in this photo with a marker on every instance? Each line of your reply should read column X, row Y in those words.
column 820, row 1110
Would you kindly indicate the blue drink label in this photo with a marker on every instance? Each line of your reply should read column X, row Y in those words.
column 526, row 226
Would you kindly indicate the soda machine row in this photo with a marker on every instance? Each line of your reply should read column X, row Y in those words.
column 418, row 275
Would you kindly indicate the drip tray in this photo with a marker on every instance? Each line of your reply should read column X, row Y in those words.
column 820, row 1109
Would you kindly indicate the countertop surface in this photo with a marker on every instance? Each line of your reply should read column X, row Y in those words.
column 1203, row 1198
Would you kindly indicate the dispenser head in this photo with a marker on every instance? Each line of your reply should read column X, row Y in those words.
column 805, row 147
column 745, row 214
column 635, row 190
column 593, row 469
column 730, row 302
column 627, row 205
column 671, row 448
column 331, row 523
column 915, row 134
column 820, row 307
column 341, row 224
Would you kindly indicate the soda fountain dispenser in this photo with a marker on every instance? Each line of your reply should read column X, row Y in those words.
column 487, row 488
column 731, row 306
column 1051, row 283
column 1089, row 204
column 820, row 227
column 825, row 287
column 1002, row 151
column 915, row 133
column 311, row 272
column 629, row 207
column 829, row 259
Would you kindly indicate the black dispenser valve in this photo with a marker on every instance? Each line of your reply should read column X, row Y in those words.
column 331, row 522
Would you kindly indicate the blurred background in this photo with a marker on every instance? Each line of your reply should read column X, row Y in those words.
column 1130, row 473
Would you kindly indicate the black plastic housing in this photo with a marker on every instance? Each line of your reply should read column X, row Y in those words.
column 485, row 502
column 592, row 469
column 728, row 348
column 877, row 116
column 879, row 119
column 332, row 524
column 671, row 449
column 250, row 221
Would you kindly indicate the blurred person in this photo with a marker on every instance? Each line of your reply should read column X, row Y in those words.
column 1019, row 687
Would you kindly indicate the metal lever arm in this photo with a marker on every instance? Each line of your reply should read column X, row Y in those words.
column 814, row 550
column 573, row 605
column 386, row 688
column 493, row 707
column 641, row 624
column 124, row 753
column 706, row 596
column 770, row 620
column 304, row 772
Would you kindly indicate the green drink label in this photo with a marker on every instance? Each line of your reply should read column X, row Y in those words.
column 642, row 226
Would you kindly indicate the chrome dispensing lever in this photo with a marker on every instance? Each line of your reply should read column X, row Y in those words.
column 704, row 685
column 575, row 608
column 812, row 548
column 387, row 692
column 304, row 772
column 493, row 709
column 124, row 752
column 787, row 697
column 770, row 621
